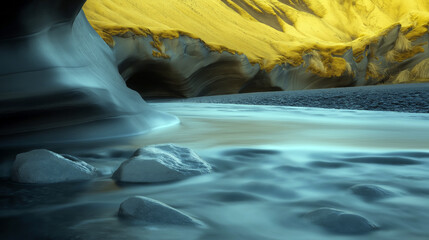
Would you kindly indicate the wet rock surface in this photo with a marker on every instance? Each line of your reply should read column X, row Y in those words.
column 341, row 222
column 370, row 192
column 43, row 166
column 161, row 163
column 151, row 211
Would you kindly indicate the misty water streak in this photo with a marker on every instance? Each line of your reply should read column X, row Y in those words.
column 272, row 167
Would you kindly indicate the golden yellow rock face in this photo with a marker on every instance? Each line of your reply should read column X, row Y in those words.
column 271, row 32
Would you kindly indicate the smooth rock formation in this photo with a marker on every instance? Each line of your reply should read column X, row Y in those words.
column 341, row 222
column 43, row 166
column 150, row 211
column 160, row 163
column 371, row 192
column 59, row 81
column 191, row 68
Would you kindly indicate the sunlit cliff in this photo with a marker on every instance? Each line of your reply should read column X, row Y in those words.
column 191, row 47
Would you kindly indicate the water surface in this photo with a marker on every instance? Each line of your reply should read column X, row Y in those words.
column 272, row 166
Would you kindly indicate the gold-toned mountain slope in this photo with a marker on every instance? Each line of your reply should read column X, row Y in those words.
column 266, row 31
column 316, row 36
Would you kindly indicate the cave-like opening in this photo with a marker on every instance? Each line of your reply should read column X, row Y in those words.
column 152, row 79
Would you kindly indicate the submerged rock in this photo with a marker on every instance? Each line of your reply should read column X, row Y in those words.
column 44, row 166
column 341, row 222
column 371, row 192
column 151, row 211
column 160, row 163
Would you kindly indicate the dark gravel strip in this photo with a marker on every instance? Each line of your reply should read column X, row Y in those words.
column 401, row 98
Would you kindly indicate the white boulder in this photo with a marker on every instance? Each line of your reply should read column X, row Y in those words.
column 150, row 211
column 44, row 166
column 160, row 163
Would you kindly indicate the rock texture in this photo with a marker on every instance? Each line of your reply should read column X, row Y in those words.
column 150, row 211
column 263, row 45
column 43, row 166
column 58, row 79
column 370, row 192
column 160, row 163
column 341, row 222
column 191, row 68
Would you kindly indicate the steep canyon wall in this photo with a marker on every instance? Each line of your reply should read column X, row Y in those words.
column 195, row 48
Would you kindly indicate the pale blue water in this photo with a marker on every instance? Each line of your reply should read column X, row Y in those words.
column 273, row 165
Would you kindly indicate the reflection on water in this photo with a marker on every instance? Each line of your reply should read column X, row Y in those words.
column 214, row 125
column 273, row 165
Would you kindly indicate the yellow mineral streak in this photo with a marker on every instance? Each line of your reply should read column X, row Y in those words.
column 421, row 70
column 420, row 73
column 270, row 32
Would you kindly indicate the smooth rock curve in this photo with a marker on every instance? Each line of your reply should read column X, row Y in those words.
column 370, row 192
column 151, row 211
column 43, row 166
column 59, row 82
column 341, row 222
column 160, row 163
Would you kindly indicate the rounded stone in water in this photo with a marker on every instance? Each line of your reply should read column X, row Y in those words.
column 44, row 166
column 161, row 163
column 371, row 192
column 151, row 211
column 341, row 222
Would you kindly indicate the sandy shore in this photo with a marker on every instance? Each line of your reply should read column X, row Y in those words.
column 400, row 98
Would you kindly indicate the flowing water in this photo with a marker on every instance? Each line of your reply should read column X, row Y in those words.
column 273, row 166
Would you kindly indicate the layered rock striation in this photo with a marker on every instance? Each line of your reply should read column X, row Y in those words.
column 59, row 81
column 196, row 48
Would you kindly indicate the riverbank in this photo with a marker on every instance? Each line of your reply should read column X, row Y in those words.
column 399, row 98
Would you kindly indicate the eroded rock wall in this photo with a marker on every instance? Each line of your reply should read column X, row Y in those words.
column 194, row 48
column 59, row 81
column 187, row 67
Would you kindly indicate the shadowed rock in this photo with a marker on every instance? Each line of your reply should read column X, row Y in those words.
column 59, row 81
column 43, row 166
column 341, row 222
column 150, row 211
column 371, row 192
